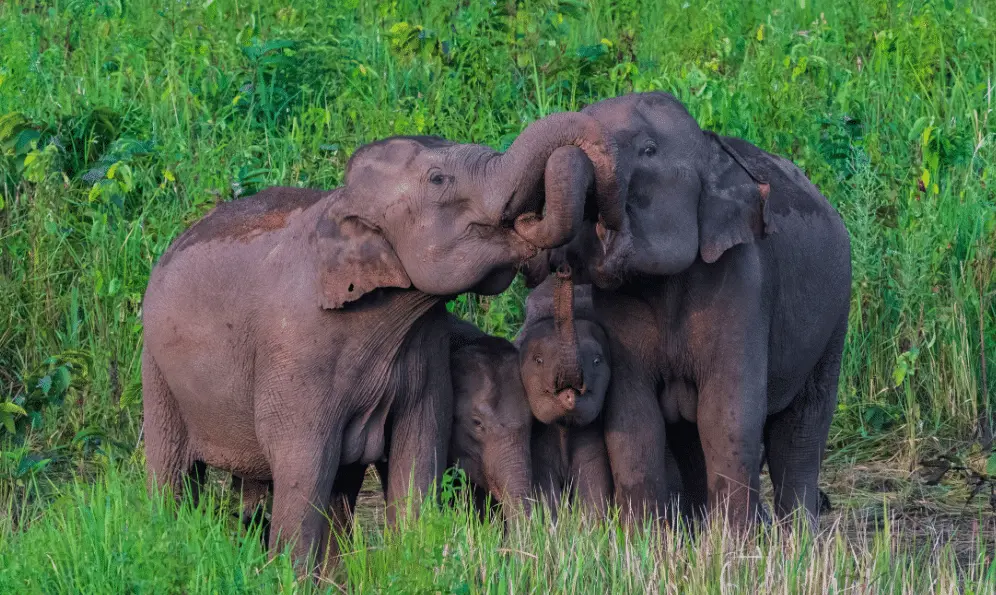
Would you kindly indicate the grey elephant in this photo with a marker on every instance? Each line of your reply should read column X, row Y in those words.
column 565, row 368
column 565, row 364
column 725, row 296
column 293, row 332
column 490, row 438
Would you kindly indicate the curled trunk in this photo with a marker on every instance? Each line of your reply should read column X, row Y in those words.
column 518, row 173
column 569, row 374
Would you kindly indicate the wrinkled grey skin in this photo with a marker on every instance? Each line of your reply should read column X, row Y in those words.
column 725, row 297
column 490, row 437
column 295, row 331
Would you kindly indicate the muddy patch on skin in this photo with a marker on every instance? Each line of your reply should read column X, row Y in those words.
column 245, row 218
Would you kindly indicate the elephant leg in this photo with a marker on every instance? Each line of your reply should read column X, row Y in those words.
column 303, row 474
column 418, row 446
column 382, row 471
column 731, row 416
column 686, row 446
column 635, row 438
column 589, row 470
column 796, row 437
column 170, row 464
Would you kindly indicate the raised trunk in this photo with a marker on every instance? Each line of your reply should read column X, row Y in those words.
column 518, row 173
column 569, row 374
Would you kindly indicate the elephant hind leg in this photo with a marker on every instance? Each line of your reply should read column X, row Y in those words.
column 168, row 459
column 345, row 491
column 795, row 438
column 691, row 487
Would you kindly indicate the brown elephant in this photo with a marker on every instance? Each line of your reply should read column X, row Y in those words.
column 565, row 368
column 725, row 296
column 296, row 331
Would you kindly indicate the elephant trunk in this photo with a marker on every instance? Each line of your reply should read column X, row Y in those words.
column 518, row 172
column 569, row 373
column 508, row 470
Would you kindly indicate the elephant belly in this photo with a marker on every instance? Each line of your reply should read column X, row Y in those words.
column 811, row 293
column 208, row 382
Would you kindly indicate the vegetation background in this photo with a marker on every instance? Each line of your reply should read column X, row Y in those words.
column 123, row 122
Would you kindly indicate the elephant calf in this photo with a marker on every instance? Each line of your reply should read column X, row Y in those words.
column 565, row 364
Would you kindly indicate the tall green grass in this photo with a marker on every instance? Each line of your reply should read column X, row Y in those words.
column 110, row 537
column 122, row 122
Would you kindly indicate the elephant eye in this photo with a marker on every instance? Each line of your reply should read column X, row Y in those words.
column 649, row 151
column 538, row 360
column 478, row 424
column 437, row 178
column 597, row 360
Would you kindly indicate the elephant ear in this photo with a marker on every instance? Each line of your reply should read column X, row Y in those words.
column 734, row 207
column 355, row 259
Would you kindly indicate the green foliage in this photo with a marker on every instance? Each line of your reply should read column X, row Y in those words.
column 123, row 122
column 110, row 537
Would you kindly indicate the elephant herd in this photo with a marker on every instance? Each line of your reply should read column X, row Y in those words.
column 690, row 298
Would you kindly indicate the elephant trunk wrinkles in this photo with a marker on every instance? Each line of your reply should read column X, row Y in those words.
column 519, row 171
column 509, row 473
column 569, row 372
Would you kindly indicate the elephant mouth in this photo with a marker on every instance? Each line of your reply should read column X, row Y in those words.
column 616, row 248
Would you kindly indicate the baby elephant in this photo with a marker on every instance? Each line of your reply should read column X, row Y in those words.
column 564, row 365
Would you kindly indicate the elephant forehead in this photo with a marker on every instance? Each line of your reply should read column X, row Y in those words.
column 385, row 158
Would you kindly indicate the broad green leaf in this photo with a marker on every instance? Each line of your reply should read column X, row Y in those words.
column 9, row 407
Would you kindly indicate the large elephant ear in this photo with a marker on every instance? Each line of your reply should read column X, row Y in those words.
column 734, row 206
column 355, row 259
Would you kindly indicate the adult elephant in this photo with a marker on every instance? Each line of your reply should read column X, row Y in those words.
column 295, row 331
column 725, row 295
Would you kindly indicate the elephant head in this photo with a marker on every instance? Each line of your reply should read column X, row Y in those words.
column 563, row 356
column 446, row 218
column 685, row 194
column 492, row 422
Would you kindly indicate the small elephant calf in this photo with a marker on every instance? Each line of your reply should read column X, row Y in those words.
column 565, row 363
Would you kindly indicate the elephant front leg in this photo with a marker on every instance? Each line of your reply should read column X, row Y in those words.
column 731, row 413
column 635, row 439
column 303, row 475
column 589, row 469
column 418, row 447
